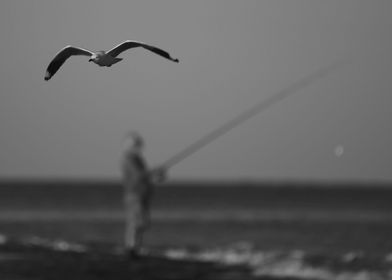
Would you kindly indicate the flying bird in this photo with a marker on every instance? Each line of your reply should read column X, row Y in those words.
column 101, row 58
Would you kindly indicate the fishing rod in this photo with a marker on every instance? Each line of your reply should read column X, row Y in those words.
column 254, row 110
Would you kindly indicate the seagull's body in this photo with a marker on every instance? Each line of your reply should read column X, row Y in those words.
column 101, row 58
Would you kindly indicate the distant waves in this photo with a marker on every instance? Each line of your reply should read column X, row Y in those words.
column 200, row 215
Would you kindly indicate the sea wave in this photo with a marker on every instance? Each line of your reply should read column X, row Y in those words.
column 56, row 245
column 296, row 264
column 203, row 215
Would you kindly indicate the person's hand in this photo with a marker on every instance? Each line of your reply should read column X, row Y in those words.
column 159, row 174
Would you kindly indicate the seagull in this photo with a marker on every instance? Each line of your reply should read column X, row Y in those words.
column 101, row 58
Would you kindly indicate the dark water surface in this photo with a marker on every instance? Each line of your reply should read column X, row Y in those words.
column 340, row 231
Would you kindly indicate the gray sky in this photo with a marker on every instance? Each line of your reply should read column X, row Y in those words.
column 232, row 55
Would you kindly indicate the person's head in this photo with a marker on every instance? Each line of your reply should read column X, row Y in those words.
column 133, row 141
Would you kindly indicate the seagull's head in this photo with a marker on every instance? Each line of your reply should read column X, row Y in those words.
column 96, row 56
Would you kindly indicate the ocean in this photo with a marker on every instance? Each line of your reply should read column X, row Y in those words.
column 276, row 229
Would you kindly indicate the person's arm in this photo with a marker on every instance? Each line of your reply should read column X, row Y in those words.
column 158, row 174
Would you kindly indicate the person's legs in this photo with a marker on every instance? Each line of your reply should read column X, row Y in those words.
column 130, row 234
column 135, row 226
column 131, row 224
column 139, row 238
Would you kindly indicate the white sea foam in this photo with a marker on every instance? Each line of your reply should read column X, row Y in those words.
column 352, row 256
column 272, row 263
column 278, row 263
column 57, row 245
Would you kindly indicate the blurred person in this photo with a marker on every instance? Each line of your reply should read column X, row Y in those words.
column 138, row 181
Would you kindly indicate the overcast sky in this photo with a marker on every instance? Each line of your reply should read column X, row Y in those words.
column 232, row 55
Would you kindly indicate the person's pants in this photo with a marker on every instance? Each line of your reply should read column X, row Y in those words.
column 136, row 222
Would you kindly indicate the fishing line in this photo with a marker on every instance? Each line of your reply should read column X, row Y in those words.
column 251, row 112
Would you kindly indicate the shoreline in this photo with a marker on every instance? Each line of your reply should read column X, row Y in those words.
column 25, row 262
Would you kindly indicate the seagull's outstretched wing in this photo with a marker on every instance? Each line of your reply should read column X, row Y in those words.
column 134, row 44
column 61, row 57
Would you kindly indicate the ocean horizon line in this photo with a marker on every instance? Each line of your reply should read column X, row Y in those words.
column 240, row 182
